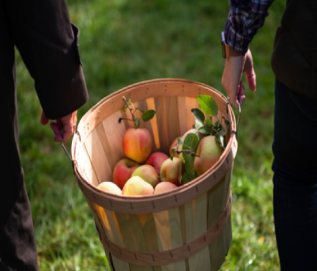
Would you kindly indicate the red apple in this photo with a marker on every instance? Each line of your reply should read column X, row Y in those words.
column 147, row 173
column 171, row 170
column 156, row 160
column 163, row 187
column 123, row 171
column 137, row 144
column 136, row 186
column 110, row 187
column 208, row 153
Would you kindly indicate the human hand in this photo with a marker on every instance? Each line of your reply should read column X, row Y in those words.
column 231, row 80
column 63, row 127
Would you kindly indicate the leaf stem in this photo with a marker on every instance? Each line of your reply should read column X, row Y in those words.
column 120, row 119
column 130, row 108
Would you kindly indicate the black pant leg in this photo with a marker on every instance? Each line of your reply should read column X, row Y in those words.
column 17, row 241
column 295, row 180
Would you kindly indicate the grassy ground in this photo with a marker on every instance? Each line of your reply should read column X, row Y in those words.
column 124, row 42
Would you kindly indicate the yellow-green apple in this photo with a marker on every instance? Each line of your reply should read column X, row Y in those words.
column 147, row 173
column 207, row 154
column 137, row 144
column 123, row 171
column 136, row 186
column 163, row 187
column 110, row 187
column 156, row 160
column 171, row 170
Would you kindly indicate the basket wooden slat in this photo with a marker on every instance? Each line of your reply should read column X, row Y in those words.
column 185, row 229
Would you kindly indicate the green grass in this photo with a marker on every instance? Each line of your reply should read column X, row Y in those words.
column 124, row 42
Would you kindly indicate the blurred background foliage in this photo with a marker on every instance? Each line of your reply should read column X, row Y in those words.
column 123, row 42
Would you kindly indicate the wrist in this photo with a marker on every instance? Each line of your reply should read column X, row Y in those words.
column 228, row 51
column 234, row 52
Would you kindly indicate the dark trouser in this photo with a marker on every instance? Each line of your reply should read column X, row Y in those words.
column 17, row 242
column 295, row 180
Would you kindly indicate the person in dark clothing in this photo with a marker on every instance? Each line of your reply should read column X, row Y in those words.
column 48, row 44
column 294, row 63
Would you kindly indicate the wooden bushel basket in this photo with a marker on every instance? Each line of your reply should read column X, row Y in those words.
column 186, row 229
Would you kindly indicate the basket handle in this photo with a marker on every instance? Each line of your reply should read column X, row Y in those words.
column 67, row 153
column 238, row 120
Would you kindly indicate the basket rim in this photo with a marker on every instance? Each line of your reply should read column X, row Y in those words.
column 116, row 202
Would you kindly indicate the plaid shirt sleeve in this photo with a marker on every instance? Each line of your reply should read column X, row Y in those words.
column 245, row 18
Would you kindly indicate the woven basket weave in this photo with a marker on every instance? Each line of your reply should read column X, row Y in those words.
column 188, row 228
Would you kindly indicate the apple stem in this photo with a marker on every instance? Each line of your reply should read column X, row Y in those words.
column 128, row 106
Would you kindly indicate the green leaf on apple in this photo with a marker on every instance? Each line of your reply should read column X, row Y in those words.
column 173, row 151
column 221, row 140
column 199, row 117
column 190, row 144
column 148, row 115
column 190, row 173
column 186, row 177
column 180, row 177
column 208, row 105
column 127, row 104
column 209, row 122
column 137, row 123
column 205, row 130
column 188, row 152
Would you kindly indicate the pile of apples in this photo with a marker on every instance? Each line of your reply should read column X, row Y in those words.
column 141, row 172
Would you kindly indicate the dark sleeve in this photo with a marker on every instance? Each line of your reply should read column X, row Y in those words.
column 48, row 44
column 244, row 20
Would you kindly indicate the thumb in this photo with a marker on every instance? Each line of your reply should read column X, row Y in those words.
column 249, row 71
column 251, row 78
